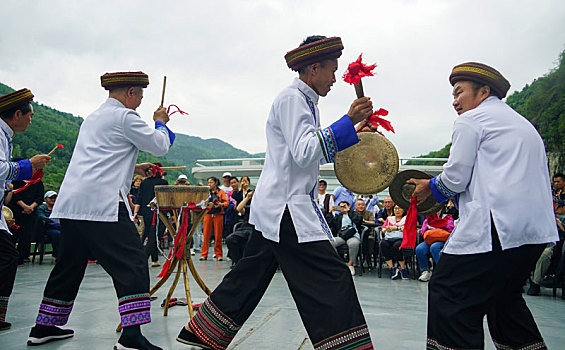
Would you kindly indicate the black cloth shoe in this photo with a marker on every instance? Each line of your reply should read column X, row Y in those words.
column 40, row 335
column 136, row 343
column 534, row 289
column 551, row 282
column 190, row 338
column 5, row 325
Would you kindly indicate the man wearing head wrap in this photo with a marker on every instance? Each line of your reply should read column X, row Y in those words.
column 291, row 231
column 99, row 222
column 497, row 159
column 16, row 112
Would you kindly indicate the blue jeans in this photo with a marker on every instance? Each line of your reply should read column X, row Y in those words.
column 422, row 251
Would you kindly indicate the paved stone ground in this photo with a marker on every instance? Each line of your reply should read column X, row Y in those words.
column 395, row 312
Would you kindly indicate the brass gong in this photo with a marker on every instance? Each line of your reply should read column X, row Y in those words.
column 400, row 192
column 369, row 166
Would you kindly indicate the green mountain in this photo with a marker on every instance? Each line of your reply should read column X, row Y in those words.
column 543, row 103
column 50, row 127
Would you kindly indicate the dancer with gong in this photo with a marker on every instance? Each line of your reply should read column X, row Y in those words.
column 291, row 232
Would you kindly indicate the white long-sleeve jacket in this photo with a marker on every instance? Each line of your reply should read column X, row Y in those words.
column 103, row 162
column 497, row 166
column 296, row 146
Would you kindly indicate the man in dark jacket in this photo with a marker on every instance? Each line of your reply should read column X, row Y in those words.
column 145, row 196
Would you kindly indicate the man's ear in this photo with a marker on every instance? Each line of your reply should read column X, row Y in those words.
column 485, row 91
column 130, row 91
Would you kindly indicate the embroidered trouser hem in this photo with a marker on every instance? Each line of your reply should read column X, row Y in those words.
column 118, row 249
column 311, row 271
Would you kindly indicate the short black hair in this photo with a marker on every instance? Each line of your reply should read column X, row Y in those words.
column 234, row 178
column 309, row 40
column 561, row 175
column 323, row 182
column 346, row 202
column 9, row 114
column 476, row 86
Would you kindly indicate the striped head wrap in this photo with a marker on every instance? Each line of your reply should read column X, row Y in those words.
column 317, row 51
column 482, row 74
column 15, row 99
column 111, row 81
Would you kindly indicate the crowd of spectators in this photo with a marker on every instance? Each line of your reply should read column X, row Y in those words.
column 228, row 221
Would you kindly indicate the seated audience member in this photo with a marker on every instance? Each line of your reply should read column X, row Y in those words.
column 391, row 234
column 52, row 227
column 553, row 252
column 345, row 226
column 237, row 241
column 360, row 209
column 435, row 231
column 386, row 211
column 343, row 194
column 325, row 200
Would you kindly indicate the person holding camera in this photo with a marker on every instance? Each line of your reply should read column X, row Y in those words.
column 214, row 218
column 345, row 227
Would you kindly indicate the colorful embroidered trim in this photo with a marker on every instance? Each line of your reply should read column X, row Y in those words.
column 134, row 309
column 432, row 344
column 53, row 312
column 323, row 222
column 13, row 170
column 213, row 327
column 15, row 99
column 357, row 338
column 328, row 143
column 443, row 189
column 476, row 70
column 3, row 308
column 540, row 345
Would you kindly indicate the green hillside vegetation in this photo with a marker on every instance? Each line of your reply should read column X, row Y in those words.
column 50, row 127
column 543, row 103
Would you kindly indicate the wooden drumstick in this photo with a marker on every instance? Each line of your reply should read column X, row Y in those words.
column 163, row 93
column 359, row 89
column 173, row 167
column 54, row 149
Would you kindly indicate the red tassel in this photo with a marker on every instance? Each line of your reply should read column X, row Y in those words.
column 177, row 111
column 35, row 178
column 410, row 226
column 357, row 70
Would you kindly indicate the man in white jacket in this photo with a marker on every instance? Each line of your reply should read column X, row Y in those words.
column 96, row 219
column 497, row 170
column 291, row 231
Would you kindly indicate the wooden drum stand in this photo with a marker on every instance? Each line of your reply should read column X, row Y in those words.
column 179, row 199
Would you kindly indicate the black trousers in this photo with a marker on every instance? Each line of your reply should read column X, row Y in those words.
column 150, row 233
column 390, row 250
column 465, row 288
column 237, row 242
column 317, row 278
column 27, row 232
column 118, row 249
column 8, row 265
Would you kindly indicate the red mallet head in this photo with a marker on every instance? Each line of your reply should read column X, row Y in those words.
column 357, row 70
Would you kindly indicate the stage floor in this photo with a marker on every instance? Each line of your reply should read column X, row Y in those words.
column 395, row 312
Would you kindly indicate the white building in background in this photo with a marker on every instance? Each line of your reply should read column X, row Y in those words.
column 252, row 167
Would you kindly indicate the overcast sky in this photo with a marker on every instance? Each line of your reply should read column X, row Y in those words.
column 224, row 60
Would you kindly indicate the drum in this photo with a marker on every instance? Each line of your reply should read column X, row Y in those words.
column 179, row 196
